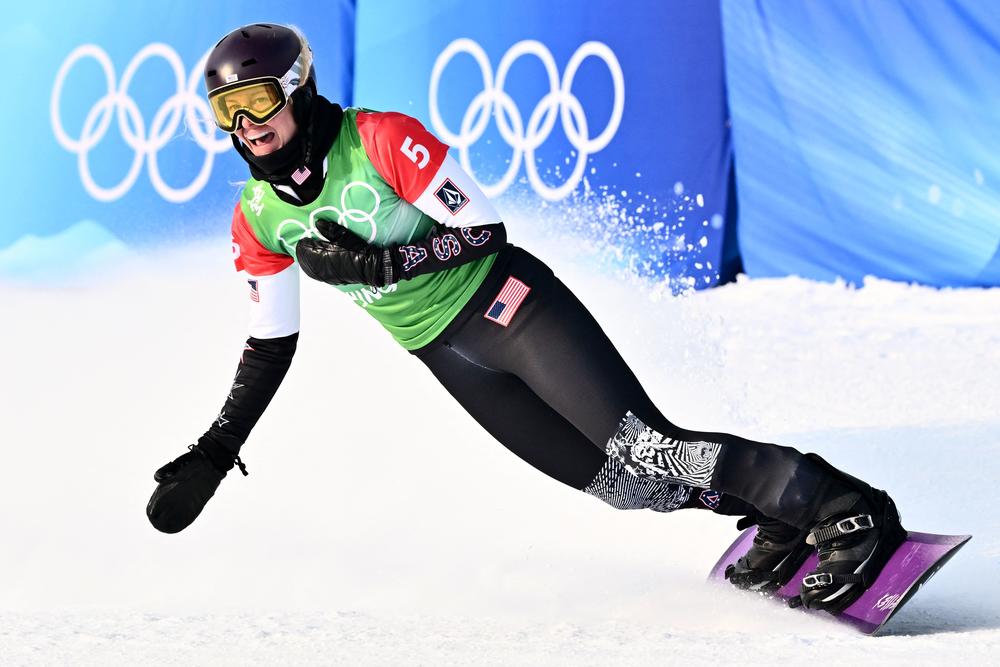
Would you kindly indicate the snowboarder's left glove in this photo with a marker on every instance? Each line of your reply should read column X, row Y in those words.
column 186, row 484
column 344, row 258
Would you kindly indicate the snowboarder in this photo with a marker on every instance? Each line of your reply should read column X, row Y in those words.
column 372, row 203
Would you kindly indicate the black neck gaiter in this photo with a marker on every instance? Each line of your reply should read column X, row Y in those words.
column 318, row 125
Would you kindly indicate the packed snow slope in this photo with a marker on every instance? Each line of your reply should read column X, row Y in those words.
column 381, row 525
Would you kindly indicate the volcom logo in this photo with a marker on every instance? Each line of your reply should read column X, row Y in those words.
column 710, row 498
column 257, row 203
column 888, row 602
column 452, row 198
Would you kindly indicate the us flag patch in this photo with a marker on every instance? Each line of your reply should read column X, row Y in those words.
column 510, row 298
column 254, row 294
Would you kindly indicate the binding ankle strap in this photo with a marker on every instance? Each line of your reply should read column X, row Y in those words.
column 840, row 528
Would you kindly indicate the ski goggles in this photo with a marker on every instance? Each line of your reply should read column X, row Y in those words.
column 259, row 100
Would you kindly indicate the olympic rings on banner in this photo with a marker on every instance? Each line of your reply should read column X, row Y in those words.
column 523, row 139
column 184, row 103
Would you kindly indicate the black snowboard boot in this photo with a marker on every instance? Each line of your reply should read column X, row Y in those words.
column 777, row 553
column 186, row 484
column 857, row 532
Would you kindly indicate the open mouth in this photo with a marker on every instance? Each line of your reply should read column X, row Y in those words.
column 261, row 140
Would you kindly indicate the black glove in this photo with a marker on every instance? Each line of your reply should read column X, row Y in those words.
column 186, row 484
column 344, row 258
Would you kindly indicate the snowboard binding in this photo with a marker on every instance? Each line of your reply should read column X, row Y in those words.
column 852, row 550
column 778, row 551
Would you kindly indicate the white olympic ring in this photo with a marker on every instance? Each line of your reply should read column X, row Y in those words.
column 525, row 140
column 345, row 211
column 184, row 103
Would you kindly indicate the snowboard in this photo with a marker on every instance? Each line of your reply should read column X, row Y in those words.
column 909, row 568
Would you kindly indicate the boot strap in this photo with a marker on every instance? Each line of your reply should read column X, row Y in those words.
column 751, row 576
column 824, row 579
column 840, row 528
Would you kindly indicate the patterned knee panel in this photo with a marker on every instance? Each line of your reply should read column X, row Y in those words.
column 622, row 490
column 650, row 455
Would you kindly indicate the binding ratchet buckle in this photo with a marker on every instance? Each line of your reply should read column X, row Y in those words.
column 818, row 580
column 855, row 523
column 843, row 527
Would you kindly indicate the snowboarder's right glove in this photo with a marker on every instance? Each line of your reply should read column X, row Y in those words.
column 186, row 484
column 342, row 257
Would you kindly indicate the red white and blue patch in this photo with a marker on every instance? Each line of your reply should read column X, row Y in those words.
column 254, row 293
column 510, row 298
column 710, row 498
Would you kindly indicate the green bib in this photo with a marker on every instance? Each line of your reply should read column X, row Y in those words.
column 356, row 196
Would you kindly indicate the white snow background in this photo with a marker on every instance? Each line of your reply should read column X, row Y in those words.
column 385, row 527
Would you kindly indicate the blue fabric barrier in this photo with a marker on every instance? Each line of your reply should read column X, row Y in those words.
column 864, row 138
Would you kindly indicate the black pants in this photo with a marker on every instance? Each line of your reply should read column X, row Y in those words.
column 552, row 388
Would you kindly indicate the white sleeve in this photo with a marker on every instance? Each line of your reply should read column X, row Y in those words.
column 453, row 198
column 274, row 303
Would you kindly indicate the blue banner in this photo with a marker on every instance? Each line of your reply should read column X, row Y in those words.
column 606, row 118
column 112, row 130
column 864, row 138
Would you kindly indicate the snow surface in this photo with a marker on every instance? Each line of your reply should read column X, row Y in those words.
column 384, row 527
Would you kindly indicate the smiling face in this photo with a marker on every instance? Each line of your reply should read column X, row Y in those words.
column 268, row 137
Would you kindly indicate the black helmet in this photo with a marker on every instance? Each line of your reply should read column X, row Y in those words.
column 254, row 70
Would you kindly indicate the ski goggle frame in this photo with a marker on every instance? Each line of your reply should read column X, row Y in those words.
column 259, row 100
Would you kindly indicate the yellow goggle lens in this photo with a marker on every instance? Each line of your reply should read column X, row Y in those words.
column 258, row 101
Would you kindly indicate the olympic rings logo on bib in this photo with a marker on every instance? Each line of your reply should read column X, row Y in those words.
column 184, row 103
column 343, row 214
column 526, row 139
